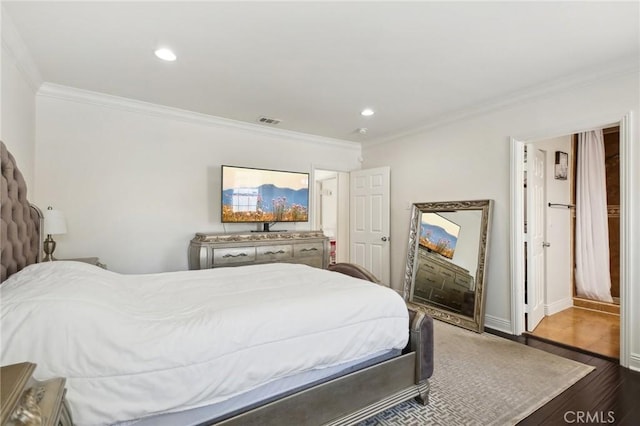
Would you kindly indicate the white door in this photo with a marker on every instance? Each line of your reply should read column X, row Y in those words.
column 369, row 221
column 535, row 236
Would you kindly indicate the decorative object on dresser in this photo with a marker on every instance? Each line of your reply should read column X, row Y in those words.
column 54, row 224
column 211, row 250
column 27, row 402
column 446, row 260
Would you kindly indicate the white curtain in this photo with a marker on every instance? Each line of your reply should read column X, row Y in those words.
column 593, row 279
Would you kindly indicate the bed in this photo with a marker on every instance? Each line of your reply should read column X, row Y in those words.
column 254, row 345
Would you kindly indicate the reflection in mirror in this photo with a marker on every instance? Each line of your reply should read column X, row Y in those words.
column 446, row 260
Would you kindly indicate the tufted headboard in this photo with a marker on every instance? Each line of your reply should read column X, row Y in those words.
column 21, row 239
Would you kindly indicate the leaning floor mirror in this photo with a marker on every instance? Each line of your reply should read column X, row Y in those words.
column 446, row 260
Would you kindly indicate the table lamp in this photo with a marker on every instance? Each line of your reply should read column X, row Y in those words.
column 54, row 224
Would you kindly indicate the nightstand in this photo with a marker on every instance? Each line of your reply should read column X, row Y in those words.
column 91, row 260
column 20, row 393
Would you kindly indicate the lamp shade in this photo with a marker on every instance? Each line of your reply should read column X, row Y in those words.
column 54, row 222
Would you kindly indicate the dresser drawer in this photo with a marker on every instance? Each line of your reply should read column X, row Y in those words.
column 455, row 295
column 429, row 266
column 308, row 249
column 428, row 278
column 449, row 275
column 422, row 293
column 315, row 261
column 464, row 281
column 448, row 297
column 278, row 253
column 439, row 296
column 231, row 256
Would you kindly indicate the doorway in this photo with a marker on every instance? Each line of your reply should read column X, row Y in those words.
column 353, row 210
column 518, row 265
column 331, row 210
column 555, row 312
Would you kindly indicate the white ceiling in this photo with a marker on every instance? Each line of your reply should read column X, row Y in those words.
column 316, row 65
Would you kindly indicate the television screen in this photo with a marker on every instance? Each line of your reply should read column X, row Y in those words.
column 438, row 234
column 259, row 195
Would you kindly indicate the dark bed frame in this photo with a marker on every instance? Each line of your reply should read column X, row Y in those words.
column 342, row 401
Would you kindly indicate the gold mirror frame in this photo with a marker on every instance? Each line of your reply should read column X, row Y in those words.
column 474, row 322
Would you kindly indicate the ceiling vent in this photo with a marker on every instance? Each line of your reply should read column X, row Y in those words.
column 268, row 120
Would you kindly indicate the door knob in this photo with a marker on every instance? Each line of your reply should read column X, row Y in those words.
column 384, row 238
column 546, row 244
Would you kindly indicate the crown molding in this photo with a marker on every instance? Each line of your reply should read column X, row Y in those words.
column 570, row 82
column 56, row 91
column 16, row 49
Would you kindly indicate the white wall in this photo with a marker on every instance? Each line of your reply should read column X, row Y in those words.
column 136, row 181
column 470, row 159
column 466, row 252
column 19, row 83
column 558, row 290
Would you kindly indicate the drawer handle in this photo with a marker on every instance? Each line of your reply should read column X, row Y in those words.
column 234, row 255
column 311, row 249
column 274, row 252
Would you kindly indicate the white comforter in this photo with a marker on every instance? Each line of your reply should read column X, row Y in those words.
column 136, row 345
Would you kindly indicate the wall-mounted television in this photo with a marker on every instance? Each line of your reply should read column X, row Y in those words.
column 251, row 195
column 438, row 234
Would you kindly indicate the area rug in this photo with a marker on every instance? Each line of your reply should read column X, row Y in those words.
column 482, row 379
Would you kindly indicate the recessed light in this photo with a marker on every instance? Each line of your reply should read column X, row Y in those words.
column 165, row 54
column 367, row 112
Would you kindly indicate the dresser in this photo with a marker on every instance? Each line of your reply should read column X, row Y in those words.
column 25, row 401
column 442, row 282
column 214, row 250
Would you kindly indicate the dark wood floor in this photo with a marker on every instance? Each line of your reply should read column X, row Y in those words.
column 608, row 395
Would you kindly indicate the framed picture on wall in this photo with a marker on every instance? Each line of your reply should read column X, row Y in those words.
column 562, row 165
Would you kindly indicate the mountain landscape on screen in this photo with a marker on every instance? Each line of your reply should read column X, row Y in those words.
column 437, row 239
column 265, row 203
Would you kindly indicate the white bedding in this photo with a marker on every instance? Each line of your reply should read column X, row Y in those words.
column 136, row 345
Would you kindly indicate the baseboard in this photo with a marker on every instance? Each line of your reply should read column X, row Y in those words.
column 634, row 362
column 498, row 324
column 558, row 306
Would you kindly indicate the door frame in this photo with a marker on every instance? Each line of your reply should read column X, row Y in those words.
column 517, row 224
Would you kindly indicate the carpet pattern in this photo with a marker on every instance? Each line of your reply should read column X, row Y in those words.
column 482, row 379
